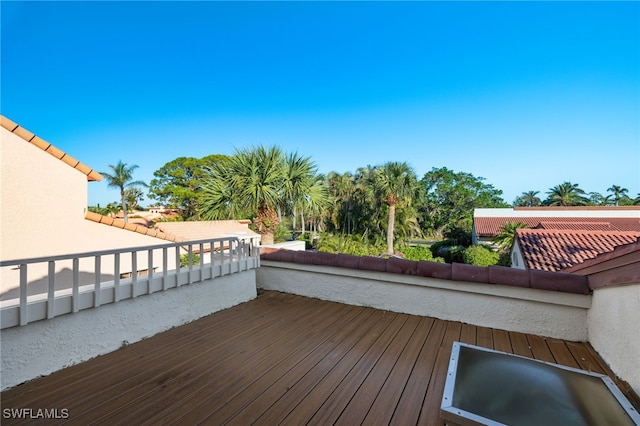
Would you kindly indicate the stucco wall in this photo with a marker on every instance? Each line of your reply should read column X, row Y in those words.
column 613, row 322
column 42, row 198
column 552, row 314
column 43, row 347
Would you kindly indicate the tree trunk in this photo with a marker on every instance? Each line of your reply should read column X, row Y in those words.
column 302, row 221
column 293, row 222
column 390, row 225
column 266, row 238
column 124, row 206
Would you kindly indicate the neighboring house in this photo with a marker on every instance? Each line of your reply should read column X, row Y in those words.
column 487, row 222
column 560, row 249
column 43, row 210
column 615, row 268
column 201, row 230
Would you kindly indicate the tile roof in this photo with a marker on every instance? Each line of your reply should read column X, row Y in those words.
column 23, row 133
column 140, row 229
column 500, row 275
column 490, row 226
column 200, row 230
column 556, row 250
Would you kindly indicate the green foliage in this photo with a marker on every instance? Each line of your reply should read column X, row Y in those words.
column 506, row 234
column 350, row 244
column 480, row 255
column 448, row 250
column 111, row 209
column 178, row 183
column 419, row 253
column 450, row 197
column 184, row 260
column 121, row 177
column 528, row 199
column 566, row 194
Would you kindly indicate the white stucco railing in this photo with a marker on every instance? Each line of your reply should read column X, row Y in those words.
column 44, row 288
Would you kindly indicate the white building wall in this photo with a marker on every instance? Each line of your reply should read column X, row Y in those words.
column 614, row 321
column 42, row 199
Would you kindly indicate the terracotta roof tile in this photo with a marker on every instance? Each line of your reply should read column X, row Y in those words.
column 555, row 250
column 23, row 133
column 541, row 280
column 490, row 226
column 578, row 226
column 8, row 124
column 200, row 230
column 140, row 229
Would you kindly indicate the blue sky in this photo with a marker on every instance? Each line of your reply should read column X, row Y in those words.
column 525, row 94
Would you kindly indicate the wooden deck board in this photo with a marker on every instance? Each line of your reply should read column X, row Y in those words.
column 282, row 359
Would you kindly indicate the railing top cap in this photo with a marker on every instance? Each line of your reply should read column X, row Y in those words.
column 118, row 250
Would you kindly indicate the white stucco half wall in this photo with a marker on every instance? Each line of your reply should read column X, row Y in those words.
column 43, row 347
column 614, row 321
column 551, row 314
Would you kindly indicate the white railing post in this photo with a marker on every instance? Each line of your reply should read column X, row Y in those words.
column 150, row 271
column 116, row 277
column 165, row 266
column 97, row 292
column 190, row 256
column 51, row 290
column 23, row 294
column 75, row 299
column 134, row 273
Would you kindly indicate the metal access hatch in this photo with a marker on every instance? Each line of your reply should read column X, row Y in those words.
column 486, row 387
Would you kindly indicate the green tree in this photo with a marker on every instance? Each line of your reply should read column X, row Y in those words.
column 449, row 199
column 597, row 199
column 178, row 183
column 121, row 177
column 506, row 234
column 528, row 199
column 566, row 194
column 134, row 197
column 250, row 182
column 395, row 183
column 302, row 192
column 619, row 193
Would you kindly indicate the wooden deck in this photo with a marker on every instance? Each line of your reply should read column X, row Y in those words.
column 280, row 359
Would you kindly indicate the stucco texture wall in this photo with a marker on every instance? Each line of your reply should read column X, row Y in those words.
column 42, row 198
column 613, row 322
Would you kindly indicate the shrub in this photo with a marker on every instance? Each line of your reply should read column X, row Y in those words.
column 480, row 255
column 184, row 260
column 419, row 253
column 448, row 250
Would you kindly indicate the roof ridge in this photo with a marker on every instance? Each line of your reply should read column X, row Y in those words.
column 26, row 135
column 140, row 229
column 575, row 231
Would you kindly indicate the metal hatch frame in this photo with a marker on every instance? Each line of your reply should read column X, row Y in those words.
column 458, row 416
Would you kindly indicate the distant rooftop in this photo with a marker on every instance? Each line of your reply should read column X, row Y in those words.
column 557, row 250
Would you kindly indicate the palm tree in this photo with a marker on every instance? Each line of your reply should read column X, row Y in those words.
column 566, row 194
column 121, row 178
column 618, row 193
column 395, row 182
column 251, row 182
column 300, row 174
column 506, row 234
column 528, row 199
